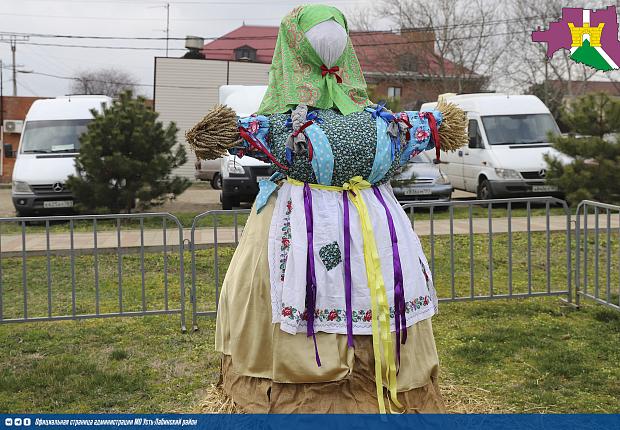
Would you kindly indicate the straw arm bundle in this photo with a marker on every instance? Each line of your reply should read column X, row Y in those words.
column 214, row 134
column 453, row 129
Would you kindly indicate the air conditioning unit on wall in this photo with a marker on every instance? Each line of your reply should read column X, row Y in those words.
column 13, row 126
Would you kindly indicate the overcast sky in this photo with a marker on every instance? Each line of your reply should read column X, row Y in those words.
column 124, row 18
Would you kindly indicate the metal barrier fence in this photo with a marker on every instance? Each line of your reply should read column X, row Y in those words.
column 605, row 237
column 95, row 266
column 520, row 226
column 466, row 228
column 94, row 269
column 212, row 286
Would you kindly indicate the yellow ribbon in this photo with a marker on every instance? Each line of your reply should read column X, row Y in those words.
column 381, row 335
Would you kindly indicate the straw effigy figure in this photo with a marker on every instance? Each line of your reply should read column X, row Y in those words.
column 327, row 303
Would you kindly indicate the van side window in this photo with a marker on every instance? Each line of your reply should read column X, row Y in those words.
column 475, row 138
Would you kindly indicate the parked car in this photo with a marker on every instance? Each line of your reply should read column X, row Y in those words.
column 47, row 149
column 508, row 138
column 240, row 176
column 421, row 179
column 209, row 170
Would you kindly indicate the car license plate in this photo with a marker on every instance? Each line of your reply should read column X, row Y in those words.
column 260, row 178
column 58, row 204
column 544, row 188
column 418, row 191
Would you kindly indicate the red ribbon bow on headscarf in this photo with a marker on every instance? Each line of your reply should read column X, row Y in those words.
column 332, row 71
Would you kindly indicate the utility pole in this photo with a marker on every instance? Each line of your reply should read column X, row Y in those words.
column 13, row 49
column 546, row 81
column 167, row 26
column 13, row 39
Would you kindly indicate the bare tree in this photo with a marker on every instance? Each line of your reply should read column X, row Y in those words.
column 109, row 82
column 361, row 19
column 529, row 65
column 469, row 39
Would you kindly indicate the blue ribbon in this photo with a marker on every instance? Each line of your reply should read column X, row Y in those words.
column 322, row 155
column 266, row 187
column 311, row 116
column 379, row 111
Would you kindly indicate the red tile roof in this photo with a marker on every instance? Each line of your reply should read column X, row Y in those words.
column 261, row 38
column 378, row 52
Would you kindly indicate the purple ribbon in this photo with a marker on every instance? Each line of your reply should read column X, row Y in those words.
column 347, row 269
column 310, row 271
column 400, row 320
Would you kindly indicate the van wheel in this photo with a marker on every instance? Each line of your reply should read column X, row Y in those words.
column 228, row 202
column 216, row 182
column 484, row 190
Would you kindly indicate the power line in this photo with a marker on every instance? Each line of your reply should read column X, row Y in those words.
column 378, row 32
column 355, row 45
column 134, row 48
column 204, row 3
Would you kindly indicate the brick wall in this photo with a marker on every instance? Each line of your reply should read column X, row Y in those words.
column 413, row 93
column 13, row 108
column 418, row 91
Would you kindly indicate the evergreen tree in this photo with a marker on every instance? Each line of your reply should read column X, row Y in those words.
column 126, row 159
column 594, row 172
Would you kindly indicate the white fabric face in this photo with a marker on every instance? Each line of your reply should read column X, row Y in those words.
column 328, row 39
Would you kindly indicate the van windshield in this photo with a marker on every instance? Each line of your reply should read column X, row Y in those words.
column 519, row 129
column 54, row 136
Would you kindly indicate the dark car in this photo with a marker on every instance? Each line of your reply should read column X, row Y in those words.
column 240, row 177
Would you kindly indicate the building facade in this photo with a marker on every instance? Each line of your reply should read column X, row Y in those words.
column 402, row 67
column 185, row 89
column 14, row 108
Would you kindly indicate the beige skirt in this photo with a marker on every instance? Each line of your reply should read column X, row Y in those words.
column 266, row 370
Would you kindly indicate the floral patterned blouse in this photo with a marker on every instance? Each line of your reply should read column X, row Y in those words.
column 347, row 145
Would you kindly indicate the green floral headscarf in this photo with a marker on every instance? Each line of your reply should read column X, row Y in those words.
column 296, row 76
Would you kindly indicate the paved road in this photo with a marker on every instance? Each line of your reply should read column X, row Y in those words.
column 12, row 243
column 198, row 198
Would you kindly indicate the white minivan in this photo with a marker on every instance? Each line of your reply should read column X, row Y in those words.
column 47, row 150
column 508, row 137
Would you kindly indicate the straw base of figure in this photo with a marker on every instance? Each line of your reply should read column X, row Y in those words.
column 353, row 394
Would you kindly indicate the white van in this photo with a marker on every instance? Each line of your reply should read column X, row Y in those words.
column 47, row 150
column 508, row 136
column 240, row 176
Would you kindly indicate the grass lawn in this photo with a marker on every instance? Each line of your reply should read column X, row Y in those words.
column 519, row 356
column 530, row 355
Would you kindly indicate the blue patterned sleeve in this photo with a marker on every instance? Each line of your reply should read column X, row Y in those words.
column 420, row 136
column 256, row 128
